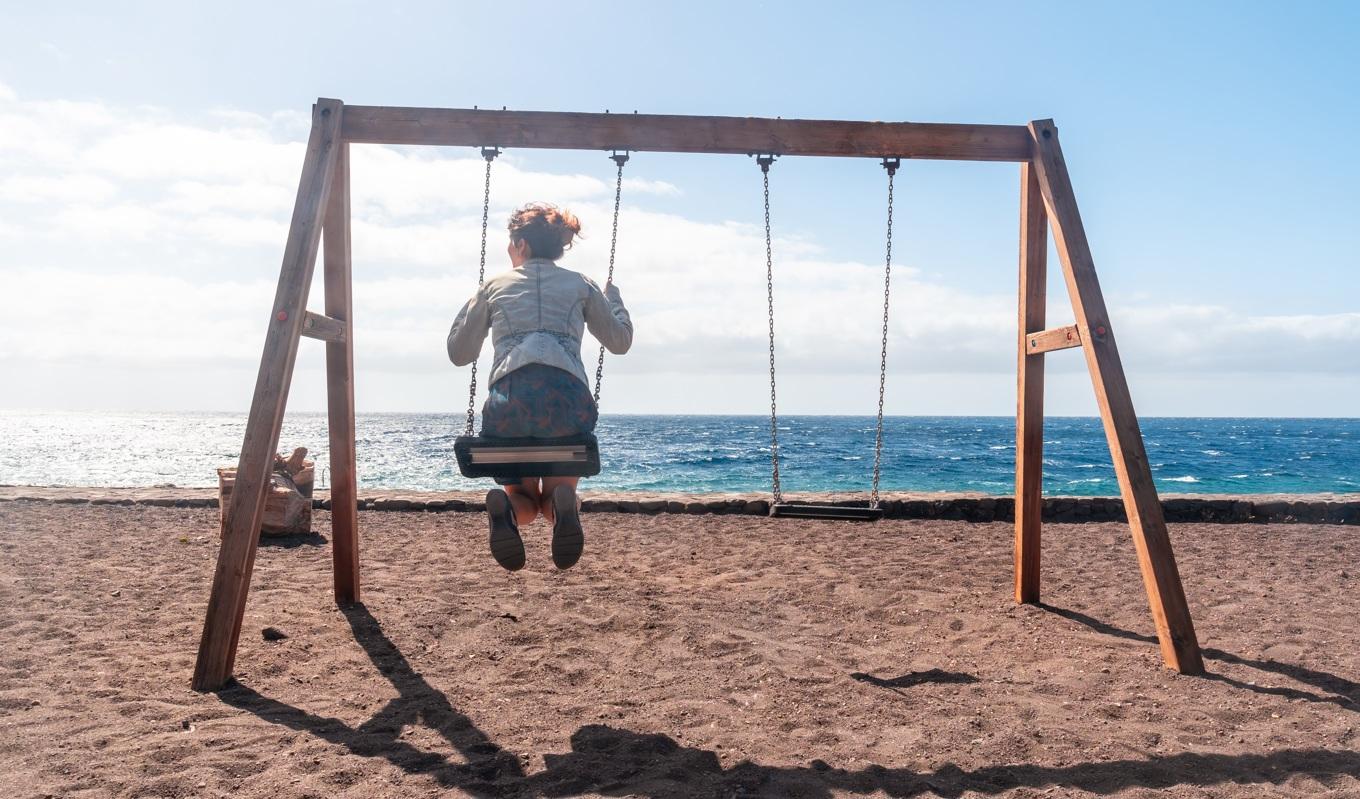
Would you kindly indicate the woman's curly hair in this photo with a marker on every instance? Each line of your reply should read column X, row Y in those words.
column 548, row 229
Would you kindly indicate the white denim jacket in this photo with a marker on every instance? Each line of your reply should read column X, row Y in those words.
column 537, row 313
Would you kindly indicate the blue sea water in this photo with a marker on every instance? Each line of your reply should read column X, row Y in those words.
column 710, row 453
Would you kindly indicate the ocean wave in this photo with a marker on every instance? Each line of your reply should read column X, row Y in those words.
column 1213, row 453
column 691, row 454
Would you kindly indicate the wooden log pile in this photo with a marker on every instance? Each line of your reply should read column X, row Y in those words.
column 288, row 505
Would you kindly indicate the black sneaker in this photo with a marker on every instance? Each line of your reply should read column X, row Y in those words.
column 568, row 538
column 506, row 545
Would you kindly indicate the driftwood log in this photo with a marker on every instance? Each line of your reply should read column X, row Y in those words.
column 288, row 505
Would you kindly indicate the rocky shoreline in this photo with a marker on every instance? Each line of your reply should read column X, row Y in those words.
column 1259, row 509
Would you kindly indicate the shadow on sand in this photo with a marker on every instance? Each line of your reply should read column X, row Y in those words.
column 620, row 762
column 895, row 684
column 312, row 539
column 1340, row 691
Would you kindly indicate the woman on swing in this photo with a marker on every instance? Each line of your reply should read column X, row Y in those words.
column 537, row 312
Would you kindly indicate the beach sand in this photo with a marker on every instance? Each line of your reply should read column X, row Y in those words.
column 704, row 656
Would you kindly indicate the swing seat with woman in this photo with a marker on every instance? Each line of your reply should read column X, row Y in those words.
column 536, row 314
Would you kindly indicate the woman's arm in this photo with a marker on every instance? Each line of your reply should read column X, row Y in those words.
column 469, row 330
column 607, row 319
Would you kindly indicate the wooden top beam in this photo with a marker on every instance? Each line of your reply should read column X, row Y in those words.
column 455, row 127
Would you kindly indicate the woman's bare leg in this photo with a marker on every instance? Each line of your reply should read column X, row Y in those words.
column 545, row 505
column 526, row 498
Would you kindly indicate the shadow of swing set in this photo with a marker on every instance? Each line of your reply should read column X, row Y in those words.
column 322, row 213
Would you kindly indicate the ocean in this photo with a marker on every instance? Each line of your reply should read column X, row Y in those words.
column 695, row 454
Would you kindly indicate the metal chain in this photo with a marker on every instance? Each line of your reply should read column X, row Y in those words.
column 764, row 161
column 890, row 164
column 620, row 159
column 489, row 153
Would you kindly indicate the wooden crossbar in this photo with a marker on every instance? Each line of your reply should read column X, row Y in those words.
column 314, row 325
column 455, row 127
column 1057, row 338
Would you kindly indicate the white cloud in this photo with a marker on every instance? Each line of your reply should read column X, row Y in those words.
column 135, row 320
column 658, row 187
column 194, row 207
column 67, row 188
column 194, row 196
column 124, row 221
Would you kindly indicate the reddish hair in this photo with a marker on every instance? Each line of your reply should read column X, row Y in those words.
column 549, row 230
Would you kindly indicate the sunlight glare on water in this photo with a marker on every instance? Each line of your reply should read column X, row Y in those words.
column 708, row 453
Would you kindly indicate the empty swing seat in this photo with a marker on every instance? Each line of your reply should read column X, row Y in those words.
column 568, row 456
column 804, row 510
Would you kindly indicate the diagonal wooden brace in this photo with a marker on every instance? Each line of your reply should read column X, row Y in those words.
column 236, row 558
column 1170, row 613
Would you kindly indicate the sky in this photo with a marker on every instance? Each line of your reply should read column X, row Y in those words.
column 150, row 151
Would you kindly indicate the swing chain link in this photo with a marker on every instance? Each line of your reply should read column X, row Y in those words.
column 764, row 161
column 489, row 153
column 620, row 159
column 891, row 165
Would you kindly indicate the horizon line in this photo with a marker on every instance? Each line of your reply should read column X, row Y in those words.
column 461, row 414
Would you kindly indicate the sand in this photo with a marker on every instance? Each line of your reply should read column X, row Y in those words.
column 707, row 656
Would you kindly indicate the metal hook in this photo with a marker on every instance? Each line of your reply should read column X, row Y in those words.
column 891, row 164
column 765, row 160
column 620, row 157
column 490, row 153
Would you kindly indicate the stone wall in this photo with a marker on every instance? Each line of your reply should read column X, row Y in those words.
column 1318, row 509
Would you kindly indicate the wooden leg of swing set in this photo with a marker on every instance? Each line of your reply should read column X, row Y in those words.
column 340, row 387
column 1161, row 579
column 1029, row 416
column 236, row 557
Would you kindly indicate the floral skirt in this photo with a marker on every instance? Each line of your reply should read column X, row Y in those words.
column 538, row 401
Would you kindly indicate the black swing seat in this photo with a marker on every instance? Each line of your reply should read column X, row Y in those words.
column 568, row 456
column 805, row 510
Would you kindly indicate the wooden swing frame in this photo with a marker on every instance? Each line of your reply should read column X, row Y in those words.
column 322, row 213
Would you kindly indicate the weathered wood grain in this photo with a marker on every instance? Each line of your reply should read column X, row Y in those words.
column 1058, row 338
column 236, row 558
column 1029, row 413
column 1170, row 613
column 453, row 127
column 340, row 385
column 323, row 328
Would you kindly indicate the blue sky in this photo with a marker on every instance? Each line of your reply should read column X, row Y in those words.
column 1210, row 146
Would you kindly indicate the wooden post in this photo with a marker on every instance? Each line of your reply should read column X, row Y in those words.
column 1029, row 414
column 236, row 557
column 340, row 387
column 1170, row 613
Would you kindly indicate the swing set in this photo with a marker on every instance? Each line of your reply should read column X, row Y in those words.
column 322, row 213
